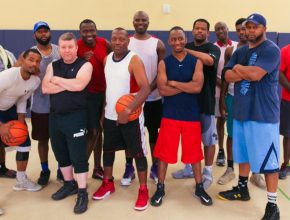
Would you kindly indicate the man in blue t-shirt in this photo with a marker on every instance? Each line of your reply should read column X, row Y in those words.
column 254, row 70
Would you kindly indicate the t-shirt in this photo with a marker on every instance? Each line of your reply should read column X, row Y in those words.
column 182, row 106
column 14, row 90
column 285, row 68
column 207, row 95
column 257, row 100
column 40, row 101
column 98, row 82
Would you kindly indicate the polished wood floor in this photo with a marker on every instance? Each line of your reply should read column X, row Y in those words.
column 178, row 203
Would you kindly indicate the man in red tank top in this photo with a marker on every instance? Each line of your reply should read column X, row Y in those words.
column 94, row 49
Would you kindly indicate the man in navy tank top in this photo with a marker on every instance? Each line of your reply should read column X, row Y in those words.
column 179, row 80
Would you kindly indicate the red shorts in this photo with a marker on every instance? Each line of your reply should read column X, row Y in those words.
column 166, row 148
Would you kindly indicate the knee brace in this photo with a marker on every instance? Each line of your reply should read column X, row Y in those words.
column 22, row 156
column 108, row 159
column 141, row 163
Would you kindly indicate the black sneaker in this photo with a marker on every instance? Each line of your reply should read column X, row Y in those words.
column 221, row 160
column 200, row 193
column 271, row 212
column 236, row 193
column 156, row 199
column 59, row 176
column 98, row 173
column 44, row 178
column 68, row 188
column 82, row 203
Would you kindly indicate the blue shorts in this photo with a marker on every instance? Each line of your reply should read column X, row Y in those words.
column 258, row 144
column 229, row 104
column 9, row 115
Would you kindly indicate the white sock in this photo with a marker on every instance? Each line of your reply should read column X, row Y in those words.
column 272, row 197
column 20, row 175
column 208, row 168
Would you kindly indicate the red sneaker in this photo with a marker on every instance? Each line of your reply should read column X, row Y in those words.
column 142, row 200
column 104, row 190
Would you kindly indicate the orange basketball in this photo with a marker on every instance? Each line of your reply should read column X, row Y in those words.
column 123, row 102
column 19, row 133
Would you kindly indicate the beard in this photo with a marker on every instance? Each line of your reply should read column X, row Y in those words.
column 43, row 42
column 257, row 39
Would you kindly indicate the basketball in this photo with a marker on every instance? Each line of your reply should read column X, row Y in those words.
column 123, row 102
column 19, row 133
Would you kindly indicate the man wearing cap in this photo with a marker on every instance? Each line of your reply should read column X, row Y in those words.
column 40, row 102
column 254, row 69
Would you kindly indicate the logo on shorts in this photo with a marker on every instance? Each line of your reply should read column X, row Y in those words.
column 80, row 134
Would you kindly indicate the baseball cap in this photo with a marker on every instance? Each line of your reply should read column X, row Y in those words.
column 256, row 19
column 39, row 25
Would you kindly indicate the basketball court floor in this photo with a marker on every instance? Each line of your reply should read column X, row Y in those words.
column 178, row 204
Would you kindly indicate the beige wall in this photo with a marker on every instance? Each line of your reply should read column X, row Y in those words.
column 108, row 14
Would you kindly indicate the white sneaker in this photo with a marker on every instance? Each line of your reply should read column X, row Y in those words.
column 26, row 184
column 1, row 211
column 258, row 180
column 207, row 178
column 227, row 176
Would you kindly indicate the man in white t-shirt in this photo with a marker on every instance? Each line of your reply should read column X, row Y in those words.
column 16, row 85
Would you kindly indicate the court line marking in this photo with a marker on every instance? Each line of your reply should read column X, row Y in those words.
column 284, row 194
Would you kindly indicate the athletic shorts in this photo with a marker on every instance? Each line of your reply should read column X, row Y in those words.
column 68, row 139
column 229, row 104
column 285, row 118
column 152, row 114
column 39, row 122
column 258, row 144
column 170, row 132
column 208, row 129
column 130, row 136
column 95, row 103
column 9, row 115
column 217, row 107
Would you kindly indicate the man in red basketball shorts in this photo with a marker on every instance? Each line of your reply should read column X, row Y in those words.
column 179, row 79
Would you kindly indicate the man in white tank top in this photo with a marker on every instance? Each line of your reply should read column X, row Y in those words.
column 226, row 106
column 223, row 41
column 125, row 73
column 151, row 50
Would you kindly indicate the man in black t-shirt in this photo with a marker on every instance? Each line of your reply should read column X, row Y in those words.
column 209, row 54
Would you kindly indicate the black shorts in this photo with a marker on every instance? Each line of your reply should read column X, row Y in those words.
column 128, row 136
column 39, row 122
column 95, row 107
column 285, row 118
column 153, row 114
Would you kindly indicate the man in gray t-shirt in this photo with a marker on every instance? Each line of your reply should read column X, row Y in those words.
column 7, row 60
column 40, row 102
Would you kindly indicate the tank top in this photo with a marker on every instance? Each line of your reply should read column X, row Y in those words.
column 119, row 82
column 147, row 51
column 182, row 106
column 40, row 101
column 67, row 101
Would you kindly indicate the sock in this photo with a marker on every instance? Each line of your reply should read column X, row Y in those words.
column 231, row 163
column 208, row 168
column 221, row 151
column 20, row 175
column 160, row 185
column 199, row 186
column 44, row 166
column 272, row 197
column 243, row 182
column 129, row 160
column 143, row 186
column 82, row 190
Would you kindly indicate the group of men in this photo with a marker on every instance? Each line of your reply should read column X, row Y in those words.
column 183, row 94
